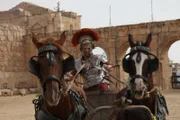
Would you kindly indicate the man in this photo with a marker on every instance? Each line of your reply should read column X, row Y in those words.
column 96, row 66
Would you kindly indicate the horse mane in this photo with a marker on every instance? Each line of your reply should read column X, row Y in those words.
column 54, row 42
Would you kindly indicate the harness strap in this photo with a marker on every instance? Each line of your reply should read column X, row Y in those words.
column 153, row 116
column 161, row 109
column 161, row 106
column 41, row 115
column 80, row 110
column 109, row 74
column 155, row 88
column 77, row 98
column 37, row 104
column 69, row 87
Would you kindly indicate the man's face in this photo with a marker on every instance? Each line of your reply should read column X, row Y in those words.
column 87, row 50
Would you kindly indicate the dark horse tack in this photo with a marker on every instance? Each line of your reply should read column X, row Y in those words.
column 153, row 64
column 68, row 64
column 50, row 66
column 140, row 63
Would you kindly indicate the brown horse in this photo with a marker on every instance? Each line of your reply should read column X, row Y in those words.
column 140, row 63
column 60, row 100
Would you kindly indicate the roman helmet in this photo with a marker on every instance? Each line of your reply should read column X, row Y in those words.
column 85, row 36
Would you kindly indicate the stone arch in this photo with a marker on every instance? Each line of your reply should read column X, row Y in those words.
column 121, row 53
column 113, row 40
column 165, row 69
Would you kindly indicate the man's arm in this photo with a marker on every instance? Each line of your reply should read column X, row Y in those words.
column 105, row 63
column 107, row 66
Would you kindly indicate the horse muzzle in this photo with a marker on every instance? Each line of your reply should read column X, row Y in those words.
column 53, row 99
column 52, row 90
column 139, row 87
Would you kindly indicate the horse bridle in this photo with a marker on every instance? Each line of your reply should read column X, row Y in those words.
column 154, row 63
column 50, row 50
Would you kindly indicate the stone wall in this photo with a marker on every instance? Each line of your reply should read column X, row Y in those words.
column 13, row 67
column 71, row 21
column 13, row 18
column 113, row 40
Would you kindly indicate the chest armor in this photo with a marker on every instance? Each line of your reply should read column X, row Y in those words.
column 92, row 73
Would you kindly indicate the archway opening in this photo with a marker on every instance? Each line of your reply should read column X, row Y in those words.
column 174, row 59
column 173, row 52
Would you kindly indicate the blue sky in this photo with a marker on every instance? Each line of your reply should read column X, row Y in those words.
column 95, row 13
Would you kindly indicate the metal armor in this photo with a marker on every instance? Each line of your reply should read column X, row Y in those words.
column 93, row 72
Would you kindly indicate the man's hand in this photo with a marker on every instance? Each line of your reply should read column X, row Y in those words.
column 107, row 67
column 68, row 76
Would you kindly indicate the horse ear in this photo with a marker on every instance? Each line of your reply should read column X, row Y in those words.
column 62, row 38
column 148, row 40
column 130, row 39
column 35, row 40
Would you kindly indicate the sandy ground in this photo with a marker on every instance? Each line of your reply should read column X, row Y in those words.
column 21, row 108
column 173, row 102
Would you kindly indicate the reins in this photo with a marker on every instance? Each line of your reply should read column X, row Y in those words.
column 82, row 66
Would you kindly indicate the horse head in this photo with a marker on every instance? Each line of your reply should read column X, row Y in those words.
column 140, row 63
column 50, row 66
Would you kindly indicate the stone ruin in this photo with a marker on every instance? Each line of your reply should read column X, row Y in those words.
column 16, row 23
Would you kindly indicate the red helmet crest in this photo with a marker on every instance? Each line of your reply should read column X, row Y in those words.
column 85, row 33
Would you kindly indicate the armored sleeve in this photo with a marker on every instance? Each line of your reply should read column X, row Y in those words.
column 101, row 54
column 103, row 59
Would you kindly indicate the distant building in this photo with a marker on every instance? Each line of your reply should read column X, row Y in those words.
column 39, row 19
column 175, row 67
column 175, row 78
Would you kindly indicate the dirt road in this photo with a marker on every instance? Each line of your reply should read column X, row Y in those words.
column 21, row 108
